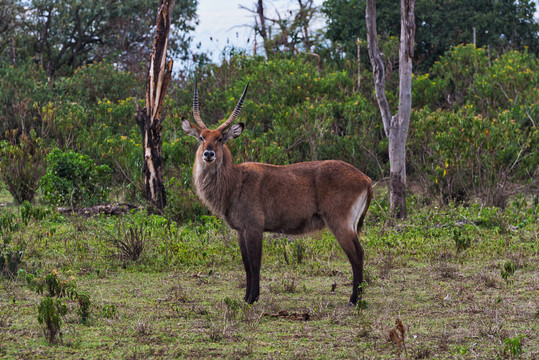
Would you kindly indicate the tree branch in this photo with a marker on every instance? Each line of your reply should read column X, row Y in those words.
column 378, row 68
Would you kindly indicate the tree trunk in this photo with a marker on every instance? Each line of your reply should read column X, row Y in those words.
column 395, row 127
column 149, row 117
column 262, row 29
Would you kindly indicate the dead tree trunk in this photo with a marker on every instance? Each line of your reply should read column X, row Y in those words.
column 396, row 126
column 149, row 117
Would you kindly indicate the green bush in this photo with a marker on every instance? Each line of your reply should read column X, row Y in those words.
column 74, row 179
column 461, row 154
column 97, row 81
column 21, row 87
column 53, row 306
column 22, row 164
column 183, row 204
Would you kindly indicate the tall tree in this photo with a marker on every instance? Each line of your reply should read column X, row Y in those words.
column 64, row 34
column 286, row 33
column 440, row 24
column 395, row 126
column 149, row 117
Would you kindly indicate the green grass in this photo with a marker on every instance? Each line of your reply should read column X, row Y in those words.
column 182, row 297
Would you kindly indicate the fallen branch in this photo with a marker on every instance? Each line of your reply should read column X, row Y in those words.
column 107, row 209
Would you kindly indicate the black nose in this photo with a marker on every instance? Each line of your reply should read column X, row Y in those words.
column 208, row 154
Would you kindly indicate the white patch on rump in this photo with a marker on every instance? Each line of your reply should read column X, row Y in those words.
column 358, row 207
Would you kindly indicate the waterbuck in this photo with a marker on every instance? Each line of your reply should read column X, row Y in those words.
column 254, row 198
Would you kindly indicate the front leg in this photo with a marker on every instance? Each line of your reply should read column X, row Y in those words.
column 253, row 240
column 246, row 264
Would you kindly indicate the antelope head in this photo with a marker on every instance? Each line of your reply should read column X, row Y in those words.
column 212, row 147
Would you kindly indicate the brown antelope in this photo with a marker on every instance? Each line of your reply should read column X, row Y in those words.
column 295, row 199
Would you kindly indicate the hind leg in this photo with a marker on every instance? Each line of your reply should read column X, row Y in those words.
column 354, row 251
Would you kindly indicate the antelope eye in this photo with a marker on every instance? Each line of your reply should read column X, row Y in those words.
column 220, row 140
column 200, row 138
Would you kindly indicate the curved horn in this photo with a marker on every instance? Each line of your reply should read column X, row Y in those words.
column 196, row 109
column 236, row 112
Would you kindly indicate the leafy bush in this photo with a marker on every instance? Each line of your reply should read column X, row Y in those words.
column 461, row 154
column 22, row 164
column 95, row 82
column 183, row 204
column 513, row 346
column 74, row 179
column 29, row 212
column 53, row 306
column 21, row 87
column 50, row 313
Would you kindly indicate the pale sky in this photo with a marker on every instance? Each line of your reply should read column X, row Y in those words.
column 223, row 24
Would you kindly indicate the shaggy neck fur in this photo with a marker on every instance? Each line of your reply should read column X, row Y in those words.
column 215, row 182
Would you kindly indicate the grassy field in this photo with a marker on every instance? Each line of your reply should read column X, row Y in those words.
column 464, row 281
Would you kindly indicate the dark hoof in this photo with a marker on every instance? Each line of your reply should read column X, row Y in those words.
column 251, row 301
column 351, row 304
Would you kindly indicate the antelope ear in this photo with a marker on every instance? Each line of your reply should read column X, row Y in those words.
column 190, row 129
column 234, row 131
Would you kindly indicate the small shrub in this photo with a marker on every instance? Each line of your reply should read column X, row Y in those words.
column 84, row 307
column 50, row 313
column 508, row 271
column 53, row 306
column 29, row 212
column 299, row 250
column 8, row 223
column 10, row 261
column 74, row 179
column 108, row 311
column 233, row 307
column 462, row 242
column 129, row 243
column 513, row 346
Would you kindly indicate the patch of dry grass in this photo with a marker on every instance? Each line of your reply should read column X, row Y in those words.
column 451, row 305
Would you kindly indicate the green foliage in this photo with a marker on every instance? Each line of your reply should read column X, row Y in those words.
column 462, row 242
column 513, row 346
column 10, row 260
column 346, row 22
column 439, row 25
column 29, row 212
column 50, row 313
column 22, row 164
column 466, row 75
column 84, row 307
column 21, row 86
column 8, row 223
column 77, row 35
column 508, row 271
column 108, row 311
column 460, row 154
column 53, row 307
column 74, row 179
column 183, row 205
column 293, row 112
column 97, row 81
